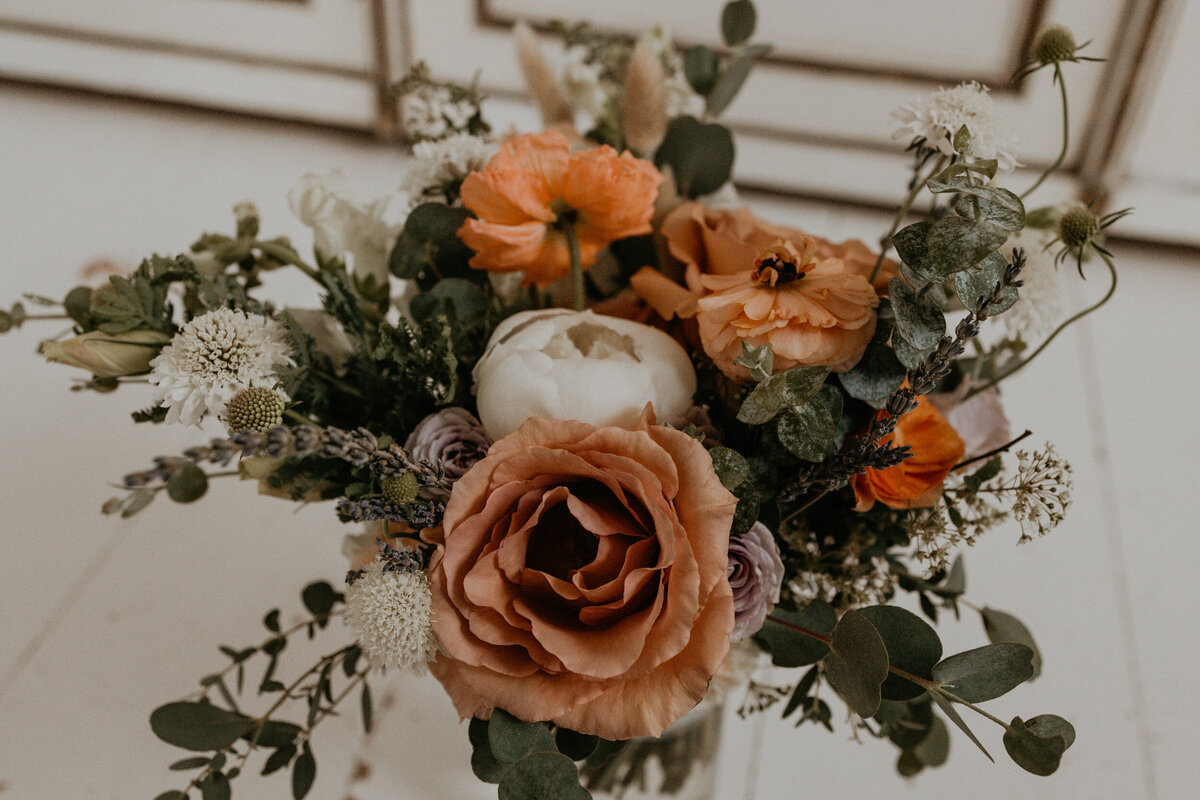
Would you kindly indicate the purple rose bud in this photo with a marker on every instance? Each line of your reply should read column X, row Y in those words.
column 756, row 575
column 452, row 436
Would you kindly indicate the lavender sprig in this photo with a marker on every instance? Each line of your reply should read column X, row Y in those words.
column 868, row 452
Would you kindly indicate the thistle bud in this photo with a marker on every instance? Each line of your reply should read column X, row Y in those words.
column 107, row 355
column 255, row 409
column 1077, row 227
column 1055, row 44
column 400, row 490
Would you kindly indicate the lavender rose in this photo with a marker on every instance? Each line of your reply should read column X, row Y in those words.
column 452, row 436
column 756, row 575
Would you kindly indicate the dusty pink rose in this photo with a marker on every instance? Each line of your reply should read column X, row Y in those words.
column 583, row 578
column 756, row 576
column 452, row 436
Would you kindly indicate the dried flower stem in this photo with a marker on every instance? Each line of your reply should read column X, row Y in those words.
column 1004, row 448
column 1062, row 85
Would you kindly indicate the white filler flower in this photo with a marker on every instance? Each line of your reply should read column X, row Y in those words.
column 938, row 117
column 559, row 364
column 390, row 612
column 213, row 358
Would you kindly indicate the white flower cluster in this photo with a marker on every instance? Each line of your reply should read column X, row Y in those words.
column 439, row 165
column 1041, row 304
column 860, row 585
column 938, row 117
column 1043, row 491
column 342, row 226
column 432, row 112
column 214, row 357
column 390, row 612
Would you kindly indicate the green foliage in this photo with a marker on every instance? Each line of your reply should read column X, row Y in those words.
column 542, row 776
column 857, row 663
column 918, row 319
column 1037, row 746
column 700, row 155
column 807, row 431
column 1001, row 626
column 738, row 19
column 731, row 466
column 188, row 484
column 978, row 282
column 792, row 388
column 700, row 67
column 429, row 248
column 198, row 725
column 878, row 373
column 986, row 672
column 912, row 645
column 791, row 648
column 912, row 245
column 304, row 772
column 139, row 301
column 525, row 759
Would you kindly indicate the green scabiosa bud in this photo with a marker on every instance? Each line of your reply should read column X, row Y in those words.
column 400, row 490
column 255, row 409
column 1077, row 227
column 1055, row 44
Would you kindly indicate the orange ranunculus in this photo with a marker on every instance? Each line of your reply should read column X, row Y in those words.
column 916, row 481
column 583, row 578
column 534, row 185
column 711, row 242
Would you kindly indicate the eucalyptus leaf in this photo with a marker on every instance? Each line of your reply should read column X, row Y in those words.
column 512, row 739
column 189, row 763
column 485, row 765
column 807, row 431
column 800, row 691
column 993, row 203
column 918, row 319
column 304, row 773
column 978, row 282
column 731, row 466
column 912, row 245
column 469, row 301
column 906, row 724
column 198, row 726
column 428, row 247
column 956, row 244
column 574, row 745
column 737, row 22
column 912, row 645
column 318, row 597
column 878, row 373
column 730, row 81
column 934, row 749
column 1000, row 626
column 952, row 714
column 542, row 776
column 1038, row 746
column 188, row 484
column 790, row 648
column 909, row 357
column 279, row 759
column 987, row 672
column 794, row 387
column 857, row 663
column 985, row 166
column 173, row 794
column 275, row 733
column 700, row 155
column 700, row 67
column 215, row 786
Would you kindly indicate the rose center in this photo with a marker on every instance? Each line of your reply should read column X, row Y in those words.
column 560, row 544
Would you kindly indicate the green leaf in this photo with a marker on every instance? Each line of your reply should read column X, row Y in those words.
column 906, row 724
column 912, row 245
column 469, row 301
column 986, row 672
column 304, row 772
column 908, row 765
column 909, row 357
column 275, row 733
column 198, row 726
column 737, row 22
column 807, row 431
column 215, row 787
column 78, row 304
column 318, row 597
column 790, row 648
column 1044, row 217
column 985, row 166
column 542, row 776
column 800, row 691
column 189, row 763
column 188, row 484
column 857, row 664
column 1000, row 626
column 934, row 749
column 993, row 203
column 173, row 794
column 978, row 282
column 366, row 708
column 485, row 765
column 700, row 155
column 731, row 466
column 512, row 739
column 953, row 715
column 1038, row 745
column 878, row 373
column 279, row 759
column 918, row 319
column 795, row 387
column 912, row 645
column 956, row 244
column 575, row 746
column 428, row 247
column 729, row 83
column 700, row 67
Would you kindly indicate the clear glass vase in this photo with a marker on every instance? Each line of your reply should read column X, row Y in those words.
column 680, row 765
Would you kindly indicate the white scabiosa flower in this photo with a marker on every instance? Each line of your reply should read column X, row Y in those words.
column 214, row 357
column 1040, row 306
column 938, row 117
column 389, row 607
column 441, row 165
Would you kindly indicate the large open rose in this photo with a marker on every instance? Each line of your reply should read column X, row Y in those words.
column 583, row 578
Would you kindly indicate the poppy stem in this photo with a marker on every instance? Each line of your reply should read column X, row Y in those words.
column 576, row 265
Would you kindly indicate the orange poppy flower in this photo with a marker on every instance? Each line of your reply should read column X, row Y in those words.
column 916, row 481
column 535, row 186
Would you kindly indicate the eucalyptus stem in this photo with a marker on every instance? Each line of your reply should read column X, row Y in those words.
column 1072, row 320
column 902, row 212
column 577, row 289
column 1062, row 85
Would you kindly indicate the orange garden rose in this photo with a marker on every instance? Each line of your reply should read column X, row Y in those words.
column 583, row 578
column 534, row 186
column 916, row 481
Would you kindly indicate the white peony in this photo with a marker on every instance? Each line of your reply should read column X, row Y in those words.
column 560, row 364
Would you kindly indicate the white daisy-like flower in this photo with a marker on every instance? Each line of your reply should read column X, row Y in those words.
column 584, row 81
column 432, row 112
column 390, row 611
column 214, row 357
column 1040, row 306
column 446, row 162
column 938, row 117
column 342, row 226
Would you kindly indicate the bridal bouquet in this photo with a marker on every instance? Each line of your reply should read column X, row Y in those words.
column 609, row 443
